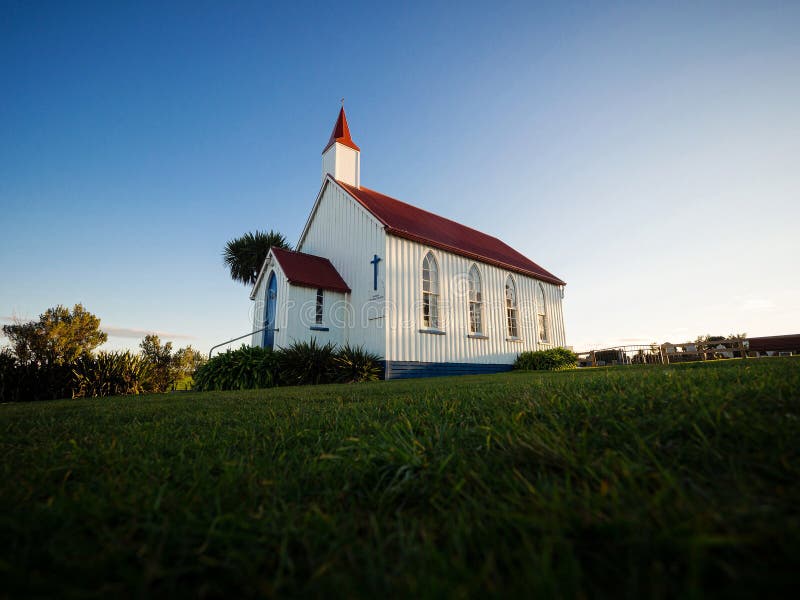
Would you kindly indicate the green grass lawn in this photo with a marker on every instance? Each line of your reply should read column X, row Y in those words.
column 634, row 481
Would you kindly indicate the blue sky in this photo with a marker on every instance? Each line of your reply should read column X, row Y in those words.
column 648, row 154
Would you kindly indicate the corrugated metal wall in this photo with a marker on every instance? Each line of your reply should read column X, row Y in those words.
column 343, row 163
column 346, row 234
column 404, row 294
column 300, row 314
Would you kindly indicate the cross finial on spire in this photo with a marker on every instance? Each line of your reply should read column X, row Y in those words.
column 342, row 101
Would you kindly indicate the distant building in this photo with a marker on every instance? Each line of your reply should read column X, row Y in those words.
column 774, row 345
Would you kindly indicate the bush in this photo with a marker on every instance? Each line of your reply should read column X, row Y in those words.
column 302, row 363
column 243, row 369
column 555, row 359
column 307, row 363
column 25, row 382
column 8, row 375
column 107, row 374
column 110, row 374
column 355, row 364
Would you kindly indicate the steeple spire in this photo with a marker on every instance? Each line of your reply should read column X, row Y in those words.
column 341, row 133
column 342, row 158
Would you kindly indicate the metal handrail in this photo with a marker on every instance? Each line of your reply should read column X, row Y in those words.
column 239, row 338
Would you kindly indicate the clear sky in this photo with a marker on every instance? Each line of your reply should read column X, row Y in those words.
column 648, row 154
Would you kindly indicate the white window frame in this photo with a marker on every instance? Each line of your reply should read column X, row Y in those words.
column 475, row 301
column 319, row 308
column 512, row 308
column 541, row 314
column 431, row 292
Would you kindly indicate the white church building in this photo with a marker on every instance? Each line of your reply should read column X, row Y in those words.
column 429, row 295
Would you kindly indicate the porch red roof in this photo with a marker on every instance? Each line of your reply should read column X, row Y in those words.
column 308, row 270
column 410, row 222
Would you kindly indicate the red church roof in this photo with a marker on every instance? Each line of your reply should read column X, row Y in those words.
column 410, row 222
column 341, row 133
column 308, row 270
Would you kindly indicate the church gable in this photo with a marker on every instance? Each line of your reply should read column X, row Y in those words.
column 336, row 200
column 343, row 231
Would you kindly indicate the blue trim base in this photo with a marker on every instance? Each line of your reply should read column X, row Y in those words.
column 394, row 369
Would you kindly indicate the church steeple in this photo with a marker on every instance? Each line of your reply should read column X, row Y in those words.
column 341, row 133
column 341, row 156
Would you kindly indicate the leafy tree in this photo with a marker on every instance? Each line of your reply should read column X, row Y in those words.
column 245, row 255
column 28, row 341
column 59, row 337
column 187, row 360
column 165, row 366
column 720, row 338
column 710, row 338
column 159, row 358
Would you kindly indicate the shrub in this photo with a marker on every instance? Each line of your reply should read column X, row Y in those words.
column 355, row 364
column 305, row 363
column 107, row 374
column 555, row 359
column 25, row 382
column 302, row 363
column 243, row 369
column 9, row 377
column 110, row 374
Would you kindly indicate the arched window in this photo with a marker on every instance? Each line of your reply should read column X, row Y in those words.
column 430, row 292
column 268, row 340
column 511, row 308
column 475, row 301
column 541, row 313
